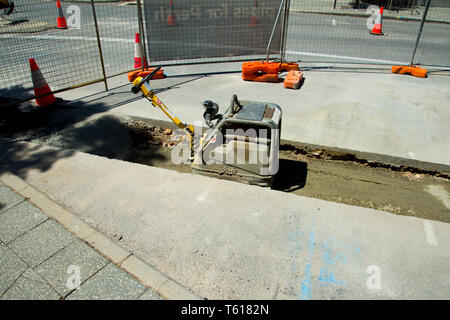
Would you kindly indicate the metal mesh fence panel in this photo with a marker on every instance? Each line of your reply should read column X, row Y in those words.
column 434, row 45
column 117, row 23
column 66, row 57
column 183, row 31
column 328, row 30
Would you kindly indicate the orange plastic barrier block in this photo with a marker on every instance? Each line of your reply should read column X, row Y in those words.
column 288, row 66
column 293, row 79
column 260, row 71
column 133, row 75
column 261, row 77
column 414, row 71
column 143, row 73
column 260, row 66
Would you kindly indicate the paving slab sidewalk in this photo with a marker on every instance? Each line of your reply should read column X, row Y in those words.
column 40, row 259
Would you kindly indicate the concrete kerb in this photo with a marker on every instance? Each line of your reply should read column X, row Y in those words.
column 24, row 27
column 144, row 273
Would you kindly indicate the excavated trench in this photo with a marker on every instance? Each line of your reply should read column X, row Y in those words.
column 312, row 173
column 324, row 175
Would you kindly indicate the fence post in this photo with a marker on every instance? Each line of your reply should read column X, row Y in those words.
column 427, row 5
column 287, row 6
column 282, row 4
column 99, row 45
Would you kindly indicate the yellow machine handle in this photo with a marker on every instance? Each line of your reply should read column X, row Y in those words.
column 148, row 93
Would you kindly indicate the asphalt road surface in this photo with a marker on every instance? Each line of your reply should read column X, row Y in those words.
column 71, row 56
column 315, row 37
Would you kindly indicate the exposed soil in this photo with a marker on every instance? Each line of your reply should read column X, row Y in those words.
column 346, row 181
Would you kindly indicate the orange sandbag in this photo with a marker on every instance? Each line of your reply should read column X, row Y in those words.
column 414, row 71
column 261, row 77
column 260, row 67
column 263, row 71
column 260, row 71
column 288, row 66
column 293, row 79
column 143, row 73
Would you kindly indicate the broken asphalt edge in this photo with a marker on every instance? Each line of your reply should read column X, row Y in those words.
column 147, row 275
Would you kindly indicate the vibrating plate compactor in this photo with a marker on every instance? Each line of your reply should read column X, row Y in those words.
column 241, row 145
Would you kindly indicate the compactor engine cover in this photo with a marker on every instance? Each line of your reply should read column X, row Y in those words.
column 243, row 146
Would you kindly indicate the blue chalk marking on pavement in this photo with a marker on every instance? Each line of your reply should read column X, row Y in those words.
column 306, row 283
column 328, row 277
column 326, row 258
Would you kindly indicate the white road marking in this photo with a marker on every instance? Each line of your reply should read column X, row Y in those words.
column 429, row 233
column 334, row 22
column 439, row 193
column 316, row 54
column 50, row 37
column 302, row 53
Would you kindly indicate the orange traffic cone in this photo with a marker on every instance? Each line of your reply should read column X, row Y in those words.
column 254, row 20
column 171, row 20
column 44, row 95
column 137, row 52
column 378, row 24
column 61, row 21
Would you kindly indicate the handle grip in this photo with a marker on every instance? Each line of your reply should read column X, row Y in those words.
column 137, row 87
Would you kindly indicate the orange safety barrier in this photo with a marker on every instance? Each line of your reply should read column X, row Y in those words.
column 412, row 70
column 260, row 71
column 260, row 66
column 288, row 66
column 268, row 77
column 293, row 79
column 143, row 73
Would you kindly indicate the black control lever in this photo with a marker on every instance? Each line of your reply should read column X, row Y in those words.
column 211, row 110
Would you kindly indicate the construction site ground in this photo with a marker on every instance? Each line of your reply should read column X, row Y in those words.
column 315, row 234
column 318, row 174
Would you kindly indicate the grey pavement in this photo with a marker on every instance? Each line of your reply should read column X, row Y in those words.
column 39, row 259
column 225, row 240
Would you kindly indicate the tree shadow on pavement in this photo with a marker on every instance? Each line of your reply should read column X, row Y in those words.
column 291, row 175
column 19, row 158
column 58, row 131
